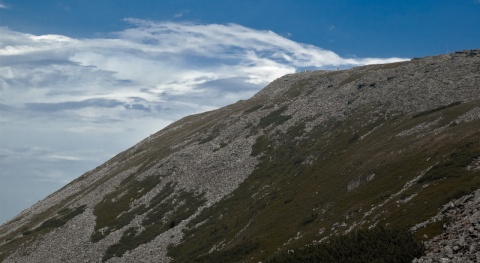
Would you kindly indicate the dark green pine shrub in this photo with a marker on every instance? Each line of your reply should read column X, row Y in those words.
column 454, row 166
column 275, row 117
column 378, row 245
column 65, row 215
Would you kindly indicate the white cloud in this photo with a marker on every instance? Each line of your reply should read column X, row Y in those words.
column 3, row 6
column 67, row 96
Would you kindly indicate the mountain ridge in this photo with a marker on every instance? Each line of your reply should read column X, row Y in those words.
column 334, row 150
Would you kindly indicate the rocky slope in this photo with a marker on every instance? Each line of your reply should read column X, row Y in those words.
column 312, row 155
column 460, row 241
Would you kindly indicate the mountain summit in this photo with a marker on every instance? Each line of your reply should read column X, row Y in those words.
column 313, row 157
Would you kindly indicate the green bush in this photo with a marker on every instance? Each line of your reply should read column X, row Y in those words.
column 275, row 117
column 379, row 244
column 254, row 108
column 114, row 212
column 454, row 166
column 167, row 209
column 234, row 254
column 260, row 145
column 60, row 220
column 427, row 112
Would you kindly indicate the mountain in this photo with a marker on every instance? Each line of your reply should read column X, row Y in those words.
column 389, row 150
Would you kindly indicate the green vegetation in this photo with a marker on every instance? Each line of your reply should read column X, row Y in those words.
column 350, row 78
column 388, row 65
column 28, row 232
column 63, row 217
column 454, row 166
column 167, row 209
column 354, row 138
column 261, row 144
column 427, row 112
column 214, row 134
column 275, row 117
column 254, row 108
column 430, row 230
column 363, row 246
column 235, row 254
column 114, row 211
column 127, row 241
column 300, row 185
column 207, row 139
column 272, row 204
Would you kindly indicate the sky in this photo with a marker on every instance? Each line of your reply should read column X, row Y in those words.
column 82, row 80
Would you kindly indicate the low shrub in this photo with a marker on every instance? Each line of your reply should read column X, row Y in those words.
column 275, row 117
column 254, row 108
column 380, row 244
column 453, row 166
column 427, row 112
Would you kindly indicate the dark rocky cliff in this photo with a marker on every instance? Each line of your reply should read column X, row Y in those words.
column 313, row 155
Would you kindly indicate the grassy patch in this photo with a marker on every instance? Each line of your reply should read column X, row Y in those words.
column 427, row 112
column 254, row 108
column 261, row 144
column 351, row 78
column 275, row 117
column 114, row 211
column 29, row 233
column 235, row 254
column 430, row 230
column 167, row 209
column 63, row 217
column 454, row 166
column 363, row 246
column 214, row 134
column 388, row 65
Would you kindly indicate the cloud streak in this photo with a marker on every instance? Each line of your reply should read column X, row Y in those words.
column 152, row 60
column 83, row 100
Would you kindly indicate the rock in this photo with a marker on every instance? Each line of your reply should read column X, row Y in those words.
column 472, row 249
column 447, row 250
column 476, row 199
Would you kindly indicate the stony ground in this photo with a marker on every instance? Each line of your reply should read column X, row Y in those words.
column 460, row 242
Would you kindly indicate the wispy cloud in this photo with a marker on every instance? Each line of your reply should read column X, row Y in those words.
column 67, row 96
column 149, row 65
column 3, row 5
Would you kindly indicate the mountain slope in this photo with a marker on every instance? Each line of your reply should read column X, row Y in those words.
column 312, row 155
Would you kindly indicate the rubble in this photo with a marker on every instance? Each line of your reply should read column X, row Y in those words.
column 460, row 241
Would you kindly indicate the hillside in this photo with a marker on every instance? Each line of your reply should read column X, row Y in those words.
column 312, row 156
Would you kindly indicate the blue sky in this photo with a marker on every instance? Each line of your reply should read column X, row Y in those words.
column 360, row 28
column 82, row 80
